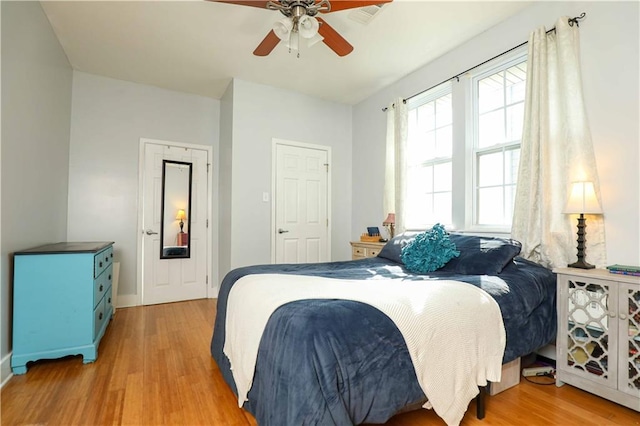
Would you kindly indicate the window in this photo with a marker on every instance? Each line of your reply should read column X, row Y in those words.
column 463, row 149
column 429, row 159
column 498, row 99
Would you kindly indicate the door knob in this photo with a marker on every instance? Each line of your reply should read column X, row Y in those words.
column 150, row 232
column 282, row 231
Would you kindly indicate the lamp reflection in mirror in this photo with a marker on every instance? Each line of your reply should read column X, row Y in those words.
column 181, row 216
column 390, row 224
column 582, row 200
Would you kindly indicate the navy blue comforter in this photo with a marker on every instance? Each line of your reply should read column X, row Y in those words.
column 340, row 362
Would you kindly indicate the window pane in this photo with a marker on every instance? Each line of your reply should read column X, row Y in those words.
column 511, row 164
column 443, row 111
column 490, row 171
column 442, row 177
column 490, row 202
column 515, row 120
column 426, row 117
column 516, row 83
column 444, row 142
column 510, row 202
column 441, row 209
column 417, row 209
column 420, row 180
column 491, row 93
column 491, row 129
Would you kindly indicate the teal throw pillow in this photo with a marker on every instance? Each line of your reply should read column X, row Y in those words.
column 429, row 251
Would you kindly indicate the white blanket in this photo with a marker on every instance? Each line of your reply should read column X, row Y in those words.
column 453, row 330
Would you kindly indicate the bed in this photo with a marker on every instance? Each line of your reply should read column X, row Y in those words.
column 335, row 361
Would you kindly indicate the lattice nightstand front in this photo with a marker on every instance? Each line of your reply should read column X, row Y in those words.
column 598, row 346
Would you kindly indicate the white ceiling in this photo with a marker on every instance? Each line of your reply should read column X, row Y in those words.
column 199, row 46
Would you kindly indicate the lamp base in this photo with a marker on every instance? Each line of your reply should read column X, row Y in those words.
column 581, row 264
column 582, row 223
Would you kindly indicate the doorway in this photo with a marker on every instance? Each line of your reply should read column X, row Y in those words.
column 174, row 211
column 301, row 218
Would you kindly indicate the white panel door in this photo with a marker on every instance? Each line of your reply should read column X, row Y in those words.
column 172, row 280
column 302, row 226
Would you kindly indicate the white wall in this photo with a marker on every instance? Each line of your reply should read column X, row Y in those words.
column 261, row 113
column 610, row 68
column 108, row 119
column 36, row 109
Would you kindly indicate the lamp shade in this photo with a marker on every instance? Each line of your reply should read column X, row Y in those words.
column 308, row 26
column 391, row 219
column 582, row 199
column 314, row 40
column 181, row 215
column 282, row 28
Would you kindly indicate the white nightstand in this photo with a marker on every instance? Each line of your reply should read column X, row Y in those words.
column 598, row 345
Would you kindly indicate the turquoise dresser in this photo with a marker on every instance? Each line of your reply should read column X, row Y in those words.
column 61, row 301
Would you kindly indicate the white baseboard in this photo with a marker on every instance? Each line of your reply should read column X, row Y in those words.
column 127, row 300
column 5, row 370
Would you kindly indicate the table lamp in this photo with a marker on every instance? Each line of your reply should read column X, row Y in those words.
column 582, row 200
column 390, row 224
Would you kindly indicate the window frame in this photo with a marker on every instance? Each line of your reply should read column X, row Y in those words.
column 472, row 151
column 416, row 102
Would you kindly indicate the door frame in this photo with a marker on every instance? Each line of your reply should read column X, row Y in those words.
column 140, row 232
column 274, row 145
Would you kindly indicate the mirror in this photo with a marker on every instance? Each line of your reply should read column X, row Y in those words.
column 175, row 215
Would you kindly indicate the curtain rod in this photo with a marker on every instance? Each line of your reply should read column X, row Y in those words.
column 574, row 20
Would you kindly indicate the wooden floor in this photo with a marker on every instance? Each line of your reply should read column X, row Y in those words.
column 154, row 368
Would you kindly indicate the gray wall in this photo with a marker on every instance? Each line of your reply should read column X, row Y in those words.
column 258, row 117
column 36, row 110
column 108, row 119
column 610, row 68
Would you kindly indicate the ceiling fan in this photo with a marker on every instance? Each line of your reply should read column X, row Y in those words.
column 301, row 21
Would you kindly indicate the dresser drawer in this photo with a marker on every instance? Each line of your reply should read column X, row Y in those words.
column 361, row 250
column 99, row 317
column 102, row 284
column 102, row 261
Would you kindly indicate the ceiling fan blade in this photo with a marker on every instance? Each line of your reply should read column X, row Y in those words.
column 337, row 5
column 267, row 44
column 334, row 40
column 254, row 3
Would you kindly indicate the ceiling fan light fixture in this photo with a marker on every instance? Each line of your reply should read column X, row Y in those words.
column 314, row 40
column 283, row 28
column 308, row 26
column 293, row 43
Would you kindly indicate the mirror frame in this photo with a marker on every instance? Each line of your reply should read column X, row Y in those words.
column 187, row 255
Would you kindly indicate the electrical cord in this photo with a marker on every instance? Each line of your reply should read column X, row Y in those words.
column 551, row 375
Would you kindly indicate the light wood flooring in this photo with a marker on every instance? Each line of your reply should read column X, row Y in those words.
column 154, row 368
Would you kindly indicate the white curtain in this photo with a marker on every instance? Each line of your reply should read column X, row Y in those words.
column 395, row 164
column 556, row 150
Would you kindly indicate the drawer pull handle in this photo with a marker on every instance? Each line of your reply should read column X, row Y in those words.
column 109, row 276
column 100, row 264
column 111, row 255
column 100, row 289
column 100, row 316
column 109, row 301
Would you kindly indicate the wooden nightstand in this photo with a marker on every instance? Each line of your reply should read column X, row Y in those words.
column 598, row 347
column 360, row 249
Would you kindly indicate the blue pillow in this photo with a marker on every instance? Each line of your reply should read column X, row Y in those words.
column 393, row 249
column 478, row 255
column 429, row 251
column 481, row 255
